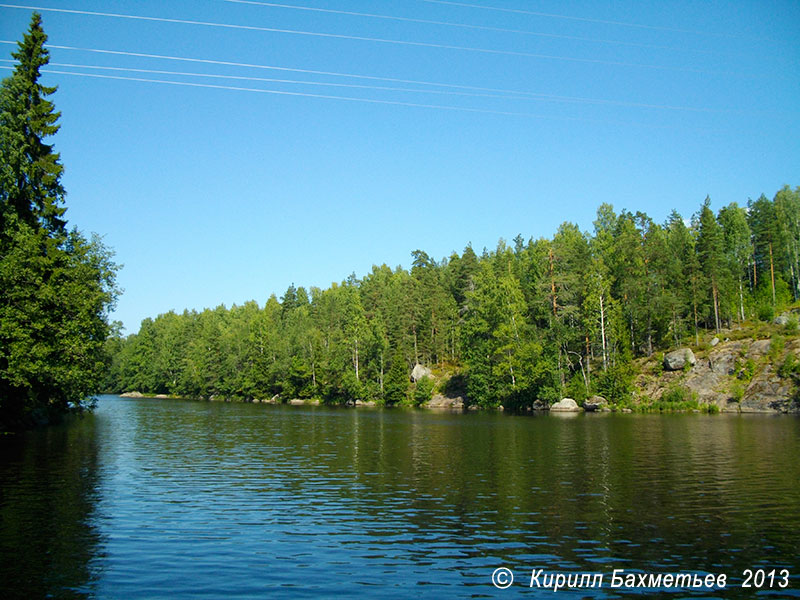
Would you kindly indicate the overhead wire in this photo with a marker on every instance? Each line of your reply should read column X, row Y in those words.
column 491, row 51
column 533, row 13
column 475, row 91
column 454, row 24
column 509, row 95
column 467, row 109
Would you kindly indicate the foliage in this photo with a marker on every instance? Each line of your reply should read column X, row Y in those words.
column 745, row 372
column 677, row 394
column 56, row 286
column 791, row 326
column 790, row 368
column 423, row 390
column 738, row 389
column 616, row 383
column 535, row 321
column 397, row 383
column 776, row 346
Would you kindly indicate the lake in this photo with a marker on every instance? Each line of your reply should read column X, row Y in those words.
column 180, row 499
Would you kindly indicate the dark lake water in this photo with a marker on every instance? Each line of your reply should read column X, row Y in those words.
column 179, row 499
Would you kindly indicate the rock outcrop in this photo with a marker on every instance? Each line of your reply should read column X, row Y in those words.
column 767, row 393
column 736, row 376
column 677, row 359
column 758, row 349
column 419, row 372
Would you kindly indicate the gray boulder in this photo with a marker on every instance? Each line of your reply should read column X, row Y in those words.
column 675, row 360
column 594, row 403
column 419, row 372
column 443, row 402
column 782, row 319
column 565, row 405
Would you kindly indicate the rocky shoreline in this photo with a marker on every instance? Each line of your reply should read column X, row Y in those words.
column 738, row 374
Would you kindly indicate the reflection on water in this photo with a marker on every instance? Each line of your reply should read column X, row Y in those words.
column 48, row 494
column 185, row 499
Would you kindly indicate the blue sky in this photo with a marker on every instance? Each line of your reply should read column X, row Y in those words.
column 524, row 114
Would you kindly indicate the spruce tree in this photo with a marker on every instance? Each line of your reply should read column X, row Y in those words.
column 710, row 246
column 30, row 171
column 56, row 287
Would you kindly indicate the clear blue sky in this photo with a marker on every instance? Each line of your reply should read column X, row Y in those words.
column 540, row 112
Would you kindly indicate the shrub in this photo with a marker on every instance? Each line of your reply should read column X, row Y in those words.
column 676, row 394
column 791, row 326
column 658, row 368
column 745, row 371
column 616, row 383
column 777, row 344
column 423, row 390
column 790, row 368
column 765, row 312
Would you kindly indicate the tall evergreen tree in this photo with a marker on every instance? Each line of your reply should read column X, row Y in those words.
column 710, row 252
column 738, row 249
column 30, row 171
column 55, row 286
column 768, row 247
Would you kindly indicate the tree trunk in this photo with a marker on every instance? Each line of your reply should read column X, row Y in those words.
column 772, row 273
column 588, row 364
column 741, row 298
column 603, row 333
column 552, row 283
column 313, row 365
column 356, row 359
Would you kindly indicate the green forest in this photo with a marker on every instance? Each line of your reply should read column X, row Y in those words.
column 534, row 320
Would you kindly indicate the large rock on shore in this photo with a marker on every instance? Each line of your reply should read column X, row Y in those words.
column 594, row 403
column 565, row 405
column 419, row 372
column 677, row 359
column 443, row 402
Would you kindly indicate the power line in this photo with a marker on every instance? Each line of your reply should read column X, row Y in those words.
column 454, row 24
column 572, row 18
column 485, row 91
column 359, row 38
column 353, row 99
column 300, row 94
column 509, row 95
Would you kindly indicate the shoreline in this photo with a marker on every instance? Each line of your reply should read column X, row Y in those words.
column 456, row 405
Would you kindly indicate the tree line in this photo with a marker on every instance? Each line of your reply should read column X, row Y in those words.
column 56, row 285
column 534, row 320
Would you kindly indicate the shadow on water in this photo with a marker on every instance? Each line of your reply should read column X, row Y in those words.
column 48, row 493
